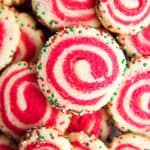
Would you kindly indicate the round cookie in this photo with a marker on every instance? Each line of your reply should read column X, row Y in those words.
column 45, row 138
column 70, row 69
column 136, row 45
column 124, row 16
column 130, row 104
column 93, row 124
column 130, row 141
column 56, row 14
column 22, row 103
column 6, row 143
column 12, row 2
column 31, row 40
column 9, row 35
column 81, row 141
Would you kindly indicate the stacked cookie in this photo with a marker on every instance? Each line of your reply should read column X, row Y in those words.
column 72, row 71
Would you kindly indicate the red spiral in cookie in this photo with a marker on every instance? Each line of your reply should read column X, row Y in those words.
column 124, row 17
column 62, row 13
column 137, row 45
column 22, row 103
column 31, row 39
column 70, row 67
column 130, row 141
column 130, row 107
column 45, row 139
column 93, row 124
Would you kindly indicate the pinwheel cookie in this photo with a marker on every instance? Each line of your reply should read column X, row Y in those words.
column 23, row 105
column 93, row 124
column 136, row 45
column 81, row 141
column 61, row 13
column 130, row 142
column 9, row 35
column 31, row 40
column 70, row 69
column 124, row 16
column 12, row 2
column 6, row 143
column 45, row 138
column 130, row 104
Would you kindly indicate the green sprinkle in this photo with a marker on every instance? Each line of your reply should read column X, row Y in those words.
column 53, row 100
column 71, row 29
column 22, row 24
column 43, row 13
column 129, row 130
column 80, row 31
column 134, row 55
column 40, row 138
column 111, row 99
column 112, row 121
column 39, row 66
column 50, row 134
column 123, row 61
column 51, row 22
column 144, row 64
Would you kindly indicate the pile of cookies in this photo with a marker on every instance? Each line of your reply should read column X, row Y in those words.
column 73, row 72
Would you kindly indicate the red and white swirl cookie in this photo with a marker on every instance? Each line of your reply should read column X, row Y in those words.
column 9, row 35
column 12, row 2
column 6, row 144
column 81, row 141
column 45, row 139
column 130, row 142
column 22, row 104
column 78, row 66
column 93, row 124
column 136, row 45
column 124, row 16
column 57, row 14
column 31, row 40
column 130, row 105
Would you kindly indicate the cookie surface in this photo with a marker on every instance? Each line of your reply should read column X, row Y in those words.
column 45, row 138
column 130, row 142
column 136, row 45
column 93, row 124
column 81, row 141
column 124, row 16
column 130, row 104
column 6, row 144
column 9, row 37
column 61, row 75
column 22, row 103
column 31, row 39
column 12, row 2
column 61, row 13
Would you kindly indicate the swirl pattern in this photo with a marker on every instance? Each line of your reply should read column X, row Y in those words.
column 45, row 138
column 130, row 141
column 22, row 105
column 93, row 124
column 31, row 39
column 136, row 45
column 130, row 106
column 61, row 70
column 124, row 16
column 9, row 37
column 62, row 13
